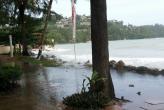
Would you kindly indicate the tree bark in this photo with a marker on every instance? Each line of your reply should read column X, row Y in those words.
column 22, row 6
column 44, row 29
column 24, row 40
column 100, row 54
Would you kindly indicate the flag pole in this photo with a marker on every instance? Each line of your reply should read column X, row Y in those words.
column 11, row 46
column 74, row 26
column 74, row 38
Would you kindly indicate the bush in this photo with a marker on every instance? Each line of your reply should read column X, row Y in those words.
column 9, row 75
column 86, row 100
column 93, row 99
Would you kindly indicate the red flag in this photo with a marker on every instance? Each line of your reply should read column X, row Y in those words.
column 74, row 18
column 73, row 10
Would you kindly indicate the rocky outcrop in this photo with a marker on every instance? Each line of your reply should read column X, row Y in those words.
column 120, row 66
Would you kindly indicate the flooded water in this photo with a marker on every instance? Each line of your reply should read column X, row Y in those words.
column 150, row 87
column 45, row 88
column 142, row 52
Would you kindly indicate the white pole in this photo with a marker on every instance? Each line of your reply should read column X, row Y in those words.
column 74, row 26
column 11, row 46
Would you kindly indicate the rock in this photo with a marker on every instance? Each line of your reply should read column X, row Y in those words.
column 47, row 56
column 131, row 85
column 42, row 57
column 142, row 69
column 154, row 71
column 139, row 93
column 122, row 97
column 161, row 72
column 88, row 64
column 112, row 64
column 120, row 65
column 32, row 53
column 53, row 56
column 130, row 68
column 64, row 62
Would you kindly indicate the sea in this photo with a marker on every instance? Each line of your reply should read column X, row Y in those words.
column 66, row 80
column 139, row 52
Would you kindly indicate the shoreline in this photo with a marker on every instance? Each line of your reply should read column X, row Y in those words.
column 120, row 66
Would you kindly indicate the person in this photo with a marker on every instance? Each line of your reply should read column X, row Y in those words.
column 39, row 53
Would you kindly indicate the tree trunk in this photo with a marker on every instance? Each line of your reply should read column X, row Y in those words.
column 100, row 54
column 22, row 5
column 44, row 29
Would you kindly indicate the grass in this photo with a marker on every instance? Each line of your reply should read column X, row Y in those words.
column 42, row 62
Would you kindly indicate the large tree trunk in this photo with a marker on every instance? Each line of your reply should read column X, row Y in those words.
column 100, row 54
column 22, row 5
column 45, row 29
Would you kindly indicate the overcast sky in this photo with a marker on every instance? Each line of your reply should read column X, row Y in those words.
column 136, row 12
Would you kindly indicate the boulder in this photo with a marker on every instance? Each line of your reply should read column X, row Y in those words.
column 120, row 65
column 161, row 72
column 112, row 64
column 88, row 64
column 130, row 68
column 142, row 69
column 42, row 57
column 131, row 85
column 53, row 56
column 154, row 71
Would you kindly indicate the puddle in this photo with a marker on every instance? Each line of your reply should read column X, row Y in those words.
column 43, row 89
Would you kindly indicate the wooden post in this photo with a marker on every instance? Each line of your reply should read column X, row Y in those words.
column 11, row 46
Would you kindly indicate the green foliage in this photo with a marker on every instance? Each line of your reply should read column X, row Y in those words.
column 118, row 31
column 43, row 61
column 95, row 83
column 9, row 75
column 86, row 100
column 10, row 19
column 91, row 99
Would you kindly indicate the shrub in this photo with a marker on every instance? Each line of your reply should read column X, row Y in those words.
column 86, row 100
column 9, row 75
column 93, row 99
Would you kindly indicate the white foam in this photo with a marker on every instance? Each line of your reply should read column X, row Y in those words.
column 145, row 52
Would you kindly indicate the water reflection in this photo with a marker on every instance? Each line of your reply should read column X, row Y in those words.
column 32, row 95
column 44, row 88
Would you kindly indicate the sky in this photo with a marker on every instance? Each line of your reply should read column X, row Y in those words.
column 136, row 12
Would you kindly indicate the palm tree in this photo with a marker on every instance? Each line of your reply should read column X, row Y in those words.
column 30, row 7
column 45, row 28
column 99, row 37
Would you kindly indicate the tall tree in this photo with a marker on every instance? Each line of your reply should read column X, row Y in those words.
column 28, row 8
column 22, row 4
column 100, row 54
column 45, row 28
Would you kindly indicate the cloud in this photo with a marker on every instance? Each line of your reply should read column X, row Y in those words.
column 137, row 12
